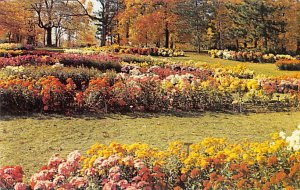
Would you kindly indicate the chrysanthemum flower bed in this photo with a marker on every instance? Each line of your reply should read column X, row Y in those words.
column 210, row 164
column 63, row 83
column 101, row 62
column 153, row 51
column 285, row 64
column 168, row 88
column 250, row 56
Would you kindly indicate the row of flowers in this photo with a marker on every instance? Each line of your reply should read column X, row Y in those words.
column 248, row 56
column 82, row 75
column 210, row 164
column 285, row 64
column 109, row 62
column 166, row 52
column 101, row 62
column 15, row 46
column 155, row 90
column 15, row 53
column 10, row 53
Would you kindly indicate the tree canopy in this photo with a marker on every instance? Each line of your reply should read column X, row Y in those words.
column 202, row 24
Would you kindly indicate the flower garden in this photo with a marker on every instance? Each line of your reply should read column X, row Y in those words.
column 283, row 62
column 123, row 80
column 210, row 164
column 64, row 82
column 149, row 94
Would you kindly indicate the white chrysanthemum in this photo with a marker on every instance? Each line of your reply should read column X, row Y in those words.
column 282, row 134
column 293, row 140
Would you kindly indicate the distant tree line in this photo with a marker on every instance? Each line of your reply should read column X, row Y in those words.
column 266, row 25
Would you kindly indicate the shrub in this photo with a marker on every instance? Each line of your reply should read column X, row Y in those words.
column 135, row 59
column 157, row 89
column 288, row 57
column 286, row 64
column 101, row 62
column 80, row 75
column 129, row 50
column 10, row 53
column 249, row 56
column 11, row 177
column 11, row 46
column 27, row 60
column 46, row 94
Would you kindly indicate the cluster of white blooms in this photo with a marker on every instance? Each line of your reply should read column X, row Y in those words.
column 170, row 52
column 15, row 69
column 293, row 140
column 80, row 51
column 174, row 79
column 277, row 57
column 57, row 65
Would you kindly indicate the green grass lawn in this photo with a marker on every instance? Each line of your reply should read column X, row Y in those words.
column 30, row 141
column 259, row 68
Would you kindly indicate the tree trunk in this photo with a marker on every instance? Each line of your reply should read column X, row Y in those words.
column 158, row 43
column 118, row 35
column 49, row 36
column 265, row 42
column 44, row 38
column 198, row 43
column 103, row 36
column 56, row 37
column 127, row 31
column 218, row 41
column 146, row 40
column 9, row 36
column 298, row 46
column 265, row 38
column 167, row 35
column 237, row 44
column 255, row 43
column 69, row 38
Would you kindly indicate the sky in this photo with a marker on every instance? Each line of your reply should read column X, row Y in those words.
column 96, row 4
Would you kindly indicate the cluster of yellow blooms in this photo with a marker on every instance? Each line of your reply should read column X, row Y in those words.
column 214, row 162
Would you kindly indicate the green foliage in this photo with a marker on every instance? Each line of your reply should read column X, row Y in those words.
column 256, row 19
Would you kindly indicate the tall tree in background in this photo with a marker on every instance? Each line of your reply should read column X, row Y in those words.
column 220, row 22
column 238, row 18
column 263, row 19
column 48, row 16
column 104, row 16
column 263, row 16
column 148, row 21
column 291, row 39
column 56, row 14
column 262, row 24
column 194, row 19
column 16, row 21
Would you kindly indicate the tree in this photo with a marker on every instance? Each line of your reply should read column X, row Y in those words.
column 263, row 19
column 291, row 38
column 55, row 14
column 194, row 18
column 148, row 21
column 15, row 20
column 104, row 16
